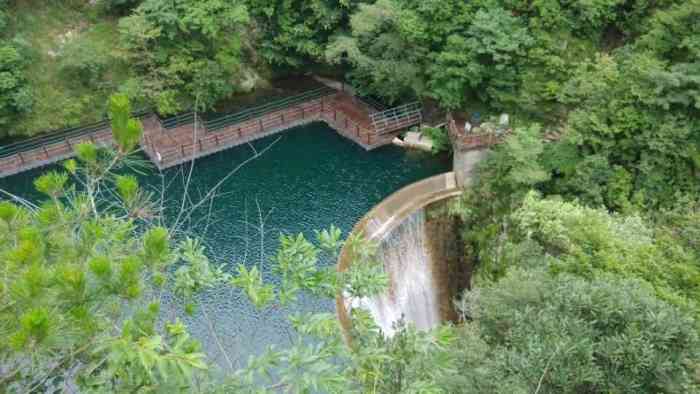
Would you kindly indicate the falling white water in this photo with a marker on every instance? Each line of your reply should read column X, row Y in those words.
column 412, row 293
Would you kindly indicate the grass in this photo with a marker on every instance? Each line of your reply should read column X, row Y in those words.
column 61, row 98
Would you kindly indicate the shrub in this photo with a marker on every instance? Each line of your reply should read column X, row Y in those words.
column 439, row 137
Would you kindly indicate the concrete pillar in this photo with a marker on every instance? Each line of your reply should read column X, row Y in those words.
column 464, row 163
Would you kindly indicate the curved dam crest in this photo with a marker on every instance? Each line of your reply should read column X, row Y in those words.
column 414, row 247
column 420, row 247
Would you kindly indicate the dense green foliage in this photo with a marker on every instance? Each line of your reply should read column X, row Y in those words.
column 15, row 96
column 439, row 138
column 119, row 6
column 509, row 226
column 15, row 93
column 184, row 51
column 564, row 334
column 75, row 266
column 296, row 32
column 522, row 243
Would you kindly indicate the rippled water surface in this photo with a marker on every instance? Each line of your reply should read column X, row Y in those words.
column 309, row 179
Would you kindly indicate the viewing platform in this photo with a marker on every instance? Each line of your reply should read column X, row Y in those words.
column 182, row 138
column 470, row 140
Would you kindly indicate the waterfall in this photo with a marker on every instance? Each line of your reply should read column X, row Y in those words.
column 412, row 293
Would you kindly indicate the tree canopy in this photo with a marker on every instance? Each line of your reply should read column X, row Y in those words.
column 186, row 53
column 15, row 92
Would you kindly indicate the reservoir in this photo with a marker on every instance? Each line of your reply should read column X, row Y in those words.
column 307, row 179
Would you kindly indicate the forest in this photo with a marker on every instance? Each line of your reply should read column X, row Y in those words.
column 586, row 246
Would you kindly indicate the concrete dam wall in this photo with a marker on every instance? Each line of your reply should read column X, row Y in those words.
column 421, row 253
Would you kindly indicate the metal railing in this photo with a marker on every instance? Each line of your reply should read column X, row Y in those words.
column 272, row 106
column 183, row 119
column 373, row 103
column 249, row 123
column 394, row 112
column 58, row 136
column 397, row 118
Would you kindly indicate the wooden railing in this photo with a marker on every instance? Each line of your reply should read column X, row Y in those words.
column 348, row 127
column 223, row 121
column 168, row 142
column 50, row 152
column 207, row 142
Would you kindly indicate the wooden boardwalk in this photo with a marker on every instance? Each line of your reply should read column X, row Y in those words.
column 168, row 147
column 50, row 152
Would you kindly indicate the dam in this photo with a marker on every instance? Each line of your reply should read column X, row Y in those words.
column 419, row 247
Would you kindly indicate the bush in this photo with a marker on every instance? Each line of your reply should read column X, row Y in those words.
column 118, row 7
column 15, row 95
column 85, row 60
column 591, row 242
column 439, row 137
column 565, row 334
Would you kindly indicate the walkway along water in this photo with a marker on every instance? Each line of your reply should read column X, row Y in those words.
column 176, row 140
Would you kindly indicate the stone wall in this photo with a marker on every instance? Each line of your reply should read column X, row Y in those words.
column 465, row 162
column 451, row 271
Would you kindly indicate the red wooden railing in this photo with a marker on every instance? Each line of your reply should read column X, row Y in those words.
column 470, row 140
column 169, row 147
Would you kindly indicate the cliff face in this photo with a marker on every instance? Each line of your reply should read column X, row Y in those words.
column 424, row 259
column 445, row 248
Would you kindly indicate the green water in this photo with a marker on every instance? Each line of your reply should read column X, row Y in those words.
column 309, row 179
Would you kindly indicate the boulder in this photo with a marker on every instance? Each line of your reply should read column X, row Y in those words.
column 418, row 141
column 398, row 142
